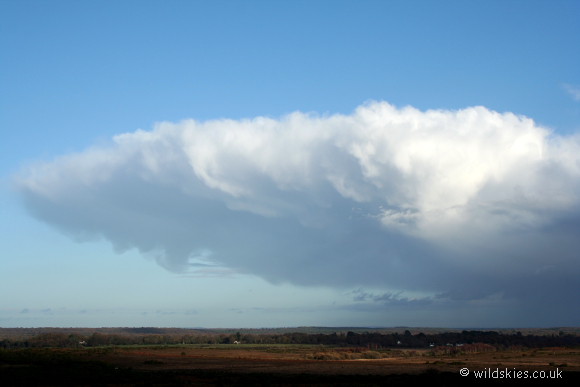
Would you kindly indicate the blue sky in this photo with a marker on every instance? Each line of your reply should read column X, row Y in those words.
column 415, row 164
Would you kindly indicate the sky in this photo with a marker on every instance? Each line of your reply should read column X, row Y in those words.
column 289, row 163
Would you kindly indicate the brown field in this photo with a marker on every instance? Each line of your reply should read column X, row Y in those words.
column 300, row 359
column 271, row 365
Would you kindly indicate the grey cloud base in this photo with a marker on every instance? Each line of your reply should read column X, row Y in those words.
column 466, row 205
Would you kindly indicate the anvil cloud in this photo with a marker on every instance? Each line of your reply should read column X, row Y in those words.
column 464, row 204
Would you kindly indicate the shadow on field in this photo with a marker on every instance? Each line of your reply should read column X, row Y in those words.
column 51, row 368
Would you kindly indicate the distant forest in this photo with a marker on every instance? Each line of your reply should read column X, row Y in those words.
column 355, row 337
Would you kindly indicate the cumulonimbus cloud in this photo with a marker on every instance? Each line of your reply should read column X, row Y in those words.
column 384, row 195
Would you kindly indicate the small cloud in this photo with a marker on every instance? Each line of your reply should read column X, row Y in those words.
column 24, row 311
column 211, row 273
column 359, row 295
column 165, row 312
column 574, row 91
column 389, row 298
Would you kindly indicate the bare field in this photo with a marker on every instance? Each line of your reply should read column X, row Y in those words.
column 269, row 365
column 303, row 359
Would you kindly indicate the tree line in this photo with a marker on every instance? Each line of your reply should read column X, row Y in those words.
column 374, row 340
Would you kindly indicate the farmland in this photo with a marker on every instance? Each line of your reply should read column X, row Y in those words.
column 278, row 364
